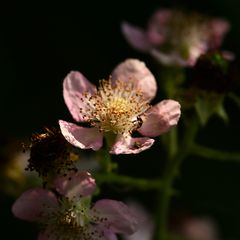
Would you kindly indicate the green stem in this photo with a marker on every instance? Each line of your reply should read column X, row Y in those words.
column 173, row 144
column 171, row 78
column 130, row 182
column 214, row 154
column 103, row 155
column 105, row 161
column 170, row 173
column 235, row 98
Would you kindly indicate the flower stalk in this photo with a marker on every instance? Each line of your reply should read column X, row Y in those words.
column 130, row 182
column 169, row 176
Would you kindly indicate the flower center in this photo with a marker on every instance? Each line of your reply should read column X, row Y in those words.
column 70, row 221
column 187, row 31
column 117, row 107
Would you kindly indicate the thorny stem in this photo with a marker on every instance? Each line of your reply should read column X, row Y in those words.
column 170, row 173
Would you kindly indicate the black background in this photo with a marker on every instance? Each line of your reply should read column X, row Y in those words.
column 40, row 44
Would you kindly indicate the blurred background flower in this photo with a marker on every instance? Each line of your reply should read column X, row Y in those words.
column 40, row 44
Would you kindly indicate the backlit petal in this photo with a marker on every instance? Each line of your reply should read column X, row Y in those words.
column 117, row 217
column 75, row 184
column 81, row 137
column 160, row 118
column 136, row 71
column 135, row 36
column 74, row 85
column 129, row 145
column 34, row 205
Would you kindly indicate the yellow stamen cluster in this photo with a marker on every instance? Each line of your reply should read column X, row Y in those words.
column 116, row 107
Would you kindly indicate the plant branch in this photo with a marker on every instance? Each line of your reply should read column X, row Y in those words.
column 137, row 183
column 214, row 154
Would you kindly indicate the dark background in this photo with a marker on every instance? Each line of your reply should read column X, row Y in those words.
column 40, row 44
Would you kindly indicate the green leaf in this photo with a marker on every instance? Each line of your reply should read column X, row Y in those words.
column 209, row 104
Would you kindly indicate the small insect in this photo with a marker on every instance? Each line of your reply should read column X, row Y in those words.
column 136, row 145
column 138, row 122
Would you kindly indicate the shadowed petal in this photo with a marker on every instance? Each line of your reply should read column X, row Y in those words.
column 137, row 71
column 158, row 27
column 199, row 229
column 217, row 30
column 160, row 118
column 91, row 232
column 135, row 36
column 128, row 145
column 168, row 58
column 47, row 234
column 146, row 223
column 109, row 235
column 75, row 184
column 117, row 217
column 34, row 204
column 81, row 137
column 74, row 85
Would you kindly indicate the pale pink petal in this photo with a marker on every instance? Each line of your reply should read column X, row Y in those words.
column 168, row 58
column 136, row 71
column 74, row 85
column 199, row 229
column 117, row 217
column 81, row 137
column 217, row 29
column 230, row 56
column 34, row 204
column 158, row 26
column 98, row 232
column 75, row 184
column 160, row 118
column 195, row 51
column 146, row 223
column 109, row 235
column 129, row 145
column 135, row 36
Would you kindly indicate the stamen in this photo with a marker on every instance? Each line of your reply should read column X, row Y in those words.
column 117, row 107
column 70, row 221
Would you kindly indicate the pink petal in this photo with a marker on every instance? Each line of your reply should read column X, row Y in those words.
column 135, row 36
column 168, row 59
column 34, row 204
column 75, row 184
column 228, row 55
column 158, row 26
column 74, row 85
column 146, row 223
column 117, row 217
column 81, row 137
column 199, row 229
column 109, row 235
column 195, row 51
column 160, row 118
column 217, row 30
column 135, row 70
column 128, row 145
column 98, row 232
